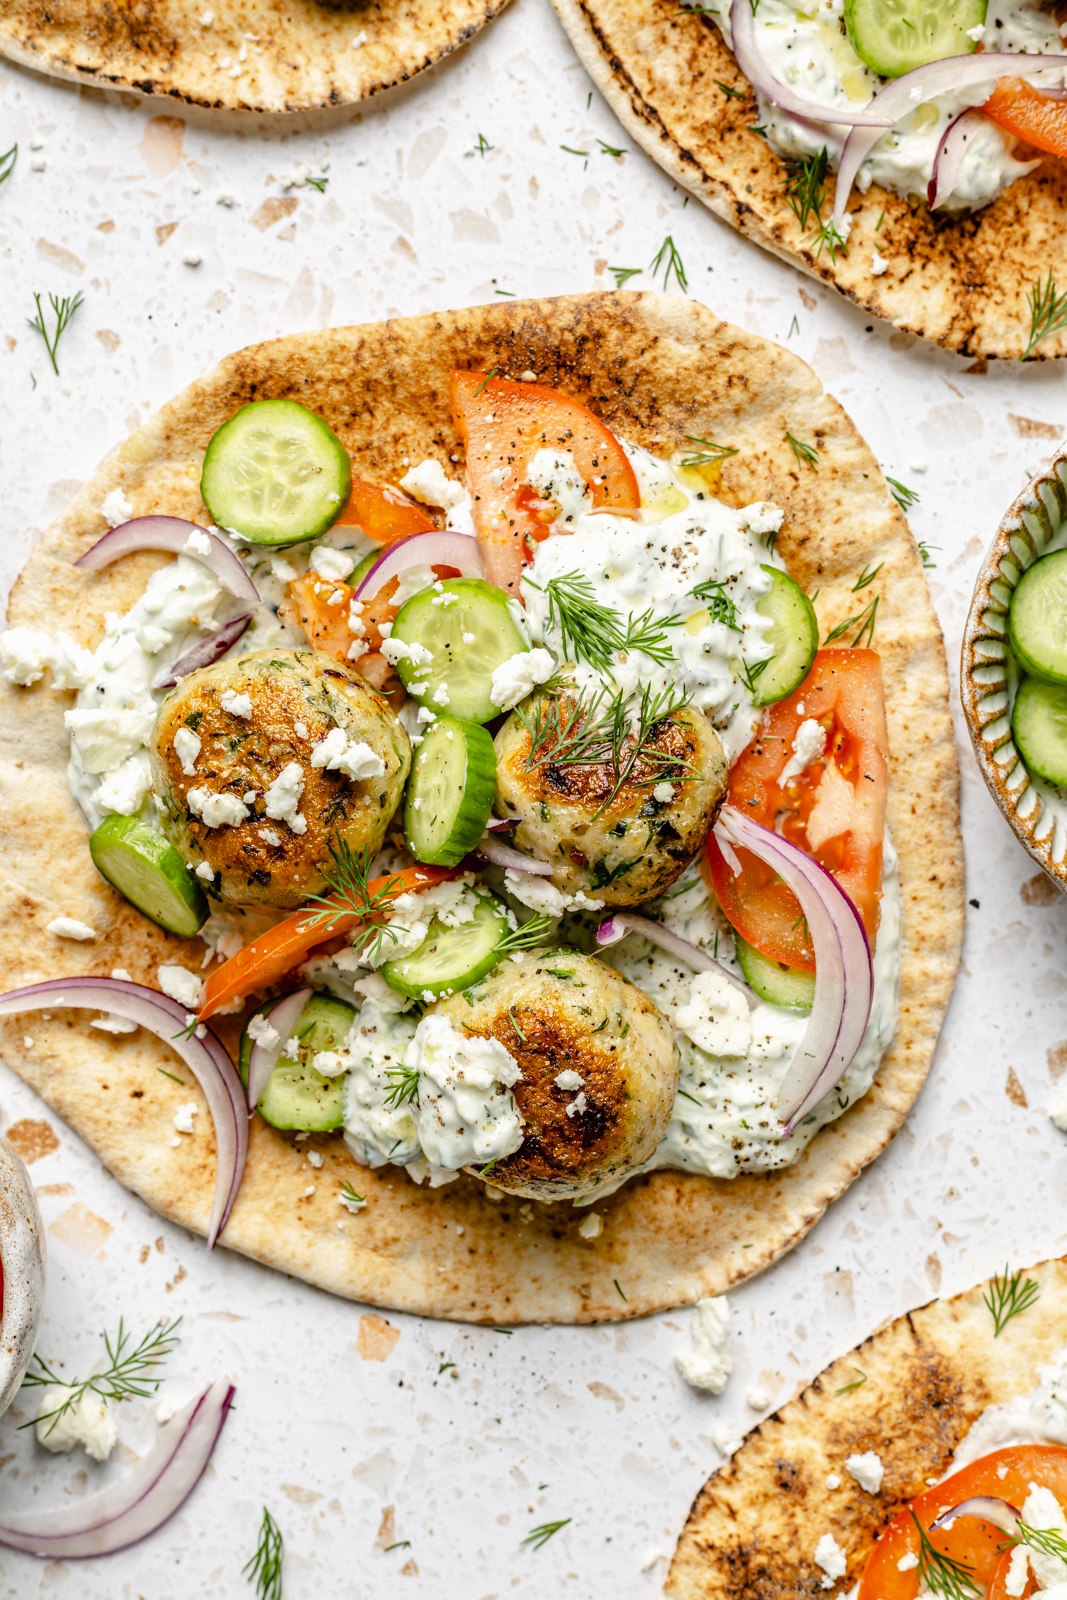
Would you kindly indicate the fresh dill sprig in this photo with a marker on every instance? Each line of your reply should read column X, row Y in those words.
column 828, row 236
column 542, row 1534
column 572, row 152
column 867, row 576
column 487, row 379
column 863, row 622
column 592, row 630
column 63, row 310
column 904, row 497
column 349, row 1198
column 924, row 552
column 7, row 162
column 752, row 672
column 720, row 606
column 129, row 1373
column 624, row 274
column 348, row 881
column 806, row 454
column 317, row 183
column 483, row 146
column 1007, row 1296
column 943, row 1575
column 669, row 262
column 1048, row 312
column 708, row 454
column 404, row 1086
column 264, row 1569
column 528, row 935
column 857, row 1382
column 611, row 149
column 1046, row 1541
column 805, row 186
column 650, row 634
column 728, row 90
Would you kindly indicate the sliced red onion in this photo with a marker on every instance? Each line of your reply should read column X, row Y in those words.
column 203, row 1054
column 771, row 87
column 937, row 77
column 204, row 652
column 171, row 534
column 988, row 1507
column 502, row 855
column 949, row 158
column 501, row 824
column 434, row 549
column 283, row 1017
column 141, row 1501
column 844, row 973
column 620, row 923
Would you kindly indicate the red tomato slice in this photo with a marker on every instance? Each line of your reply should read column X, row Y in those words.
column 834, row 809
column 383, row 513
column 970, row 1540
column 1023, row 110
column 502, row 425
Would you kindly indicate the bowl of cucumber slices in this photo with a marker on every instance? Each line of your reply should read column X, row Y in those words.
column 1014, row 668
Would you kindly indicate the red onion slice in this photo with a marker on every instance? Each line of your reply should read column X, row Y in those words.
column 283, row 1017
column 204, row 652
column 501, row 824
column 502, row 855
column 945, row 172
column 171, row 534
column 937, row 77
column 619, row 924
column 141, row 1502
column 204, row 1056
column 435, row 549
column 771, row 87
column 990, row 1508
column 844, row 973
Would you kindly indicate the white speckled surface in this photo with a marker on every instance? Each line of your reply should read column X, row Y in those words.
column 354, row 1454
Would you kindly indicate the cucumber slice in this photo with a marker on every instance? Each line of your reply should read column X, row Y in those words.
column 895, row 36
column 468, row 638
column 1039, row 724
column 774, row 982
column 149, row 872
column 793, row 637
column 450, row 792
column 296, row 1096
column 1037, row 618
column 276, row 474
column 449, row 959
column 358, row 574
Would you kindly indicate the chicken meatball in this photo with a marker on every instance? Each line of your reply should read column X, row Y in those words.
column 623, row 847
column 262, row 762
column 599, row 1069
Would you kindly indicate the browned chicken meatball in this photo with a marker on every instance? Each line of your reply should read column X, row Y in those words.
column 599, row 1069
column 262, row 762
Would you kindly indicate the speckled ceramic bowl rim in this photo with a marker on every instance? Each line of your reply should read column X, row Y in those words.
column 987, row 670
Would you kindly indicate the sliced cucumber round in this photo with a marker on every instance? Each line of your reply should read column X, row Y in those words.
column 358, row 573
column 774, row 982
column 149, row 872
column 1037, row 618
column 1039, row 725
column 450, row 959
column 792, row 637
column 467, row 638
column 296, row 1096
column 896, row 36
column 450, row 792
column 276, row 474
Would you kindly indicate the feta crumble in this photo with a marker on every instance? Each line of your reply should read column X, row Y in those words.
column 70, row 928
column 339, row 752
column 831, row 1558
column 216, row 810
column 187, row 747
column 87, row 1423
column 707, row 1363
column 181, row 985
column 238, row 705
column 283, row 797
column 868, row 1469
column 514, row 679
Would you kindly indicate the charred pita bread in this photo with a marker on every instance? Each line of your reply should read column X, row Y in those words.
column 656, row 369
column 962, row 284
column 928, row 1376
column 289, row 55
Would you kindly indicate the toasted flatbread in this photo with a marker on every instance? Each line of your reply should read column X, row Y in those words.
column 926, row 1378
column 962, row 284
column 655, row 369
column 256, row 55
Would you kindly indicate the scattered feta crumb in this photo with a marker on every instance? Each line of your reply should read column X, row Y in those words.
column 833, row 1481
column 183, row 1117
column 330, row 1062
column 977, row 33
column 269, row 836
column 121, row 975
column 70, row 928
column 908, row 1562
column 109, row 1023
column 87, row 1423
column 191, row 259
column 868, row 1470
column 315, row 1158
column 831, row 1558
column 339, row 752
column 351, row 1202
column 217, row 810
column 429, row 483
column 569, row 1079
column 592, row 1226
column 578, row 1106
column 879, row 265
column 468, row 638
column 715, row 1016
column 262, row 1031
column 187, row 747
column 205, row 872
column 27, row 1042
column 300, row 729
column 283, row 570
column 181, row 985
column 336, row 565
column 283, row 797
column 809, row 742
column 238, row 705
column 514, row 678
column 116, row 509
column 664, row 793
column 395, row 650
column 360, row 40
column 757, row 1398
column 707, row 1363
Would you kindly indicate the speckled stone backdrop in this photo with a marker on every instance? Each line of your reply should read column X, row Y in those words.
column 345, row 1426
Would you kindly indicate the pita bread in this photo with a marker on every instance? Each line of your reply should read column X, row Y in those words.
column 655, row 368
column 929, row 1375
column 960, row 284
column 291, row 55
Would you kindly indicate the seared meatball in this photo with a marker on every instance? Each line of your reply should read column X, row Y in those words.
column 260, row 763
column 632, row 849
column 561, row 1013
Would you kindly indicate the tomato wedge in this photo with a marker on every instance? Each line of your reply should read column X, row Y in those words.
column 971, row 1541
column 383, row 513
column 502, row 425
column 834, row 809
column 275, row 953
column 1035, row 117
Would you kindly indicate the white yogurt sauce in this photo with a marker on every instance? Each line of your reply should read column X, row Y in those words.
column 465, row 1111
column 804, row 43
column 1037, row 1417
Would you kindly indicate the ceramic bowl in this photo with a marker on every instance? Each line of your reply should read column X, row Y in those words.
column 1037, row 810
column 22, row 1260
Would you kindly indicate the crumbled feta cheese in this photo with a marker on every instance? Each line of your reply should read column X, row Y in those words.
column 25, row 653
column 716, row 1015
column 591, row 1226
column 269, row 836
column 300, row 729
column 977, row 33
column 539, row 894
column 868, row 1470
column 283, row 797
column 116, row 509
column 578, row 1106
column 440, row 695
column 833, row 1481
column 282, row 569
column 205, row 872
column 412, row 581
column 465, row 1112
column 351, row 1202
column 87, row 1423
column 109, row 1023
column 336, row 565
column 181, row 985
column 262, row 1032
column 395, row 650
column 339, row 752
column 123, row 789
column 430, row 483
column 331, row 1063
column 198, row 543
column 707, row 1363
column 757, row 1398
column 468, row 638
column 725, row 1441
column 762, row 517
column 152, row 639
column 809, row 742
column 187, row 747
column 879, row 265
column 104, row 739
column 908, row 1562
column 238, row 705
column 70, row 928
column 831, row 1558
column 664, row 793
column 121, row 975
column 569, row 1079
column 183, row 1117
column 315, row 1158
column 216, row 810
column 515, row 677
column 191, row 258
